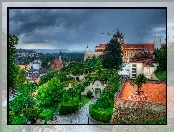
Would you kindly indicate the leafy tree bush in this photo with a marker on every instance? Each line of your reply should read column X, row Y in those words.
column 47, row 77
column 19, row 102
column 68, row 108
column 103, row 102
column 161, row 56
column 99, row 114
column 46, row 114
column 11, row 115
column 50, row 93
column 30, row 111
column 114, row 53
column 139, row 81
column 65, row 97
column 13, row 68
column 19, row 120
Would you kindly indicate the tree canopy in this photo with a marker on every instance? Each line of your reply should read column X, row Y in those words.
column 112, row 56
column 139, row 81
column 161, row 56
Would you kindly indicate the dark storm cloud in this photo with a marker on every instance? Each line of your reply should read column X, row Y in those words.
column 78, row 26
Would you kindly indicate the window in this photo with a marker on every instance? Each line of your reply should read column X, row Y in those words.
column 134, row 71
column 148, row 70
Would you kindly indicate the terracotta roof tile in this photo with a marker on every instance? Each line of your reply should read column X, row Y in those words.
column 148, row 64
column 150, row 47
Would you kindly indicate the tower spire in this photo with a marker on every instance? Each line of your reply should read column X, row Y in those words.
column 87, row 48
column 60, row 57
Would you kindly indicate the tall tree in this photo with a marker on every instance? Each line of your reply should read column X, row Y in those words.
column 161, row 56
column 112, row 56
column 13, row 68
column 50, row 93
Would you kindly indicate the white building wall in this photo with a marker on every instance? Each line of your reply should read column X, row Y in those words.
column 36, row 66
column 139, row 68
column 148, row 70
column 155, row 64
column 90, row 54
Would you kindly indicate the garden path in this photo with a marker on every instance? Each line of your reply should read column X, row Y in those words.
column 81, row 117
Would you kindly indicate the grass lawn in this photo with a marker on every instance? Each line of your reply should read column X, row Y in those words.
column 161, row 75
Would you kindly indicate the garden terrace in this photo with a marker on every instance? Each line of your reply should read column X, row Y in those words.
column 155, row 91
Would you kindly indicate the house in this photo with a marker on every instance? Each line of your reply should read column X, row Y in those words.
column 57, row 64
column 23, row 66
column 100, row 48
column 35, row 64
column 143, row 62
column 129, row 50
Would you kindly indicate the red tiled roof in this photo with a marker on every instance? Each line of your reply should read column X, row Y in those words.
column 57, row 64
column 150, row 47
column 101, row 46
column 148, row 64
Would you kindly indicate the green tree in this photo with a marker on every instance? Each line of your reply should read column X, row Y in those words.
column 103, row 102
column 21, row 78
column 13, row 68
column 45, row 60
column 139, row 81
column 161, row 56
column 79, row 88
column 112, row 56
column 51, row 93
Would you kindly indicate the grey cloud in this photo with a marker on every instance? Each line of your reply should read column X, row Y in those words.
column 72, row 26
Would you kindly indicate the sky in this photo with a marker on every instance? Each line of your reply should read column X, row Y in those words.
column 73, row 29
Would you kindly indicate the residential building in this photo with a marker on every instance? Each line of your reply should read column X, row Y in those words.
column 143, row 62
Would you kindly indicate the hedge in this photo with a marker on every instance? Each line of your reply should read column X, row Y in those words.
column 46, row 115
column 100, row 114
column 19, row 120
column 68, row 108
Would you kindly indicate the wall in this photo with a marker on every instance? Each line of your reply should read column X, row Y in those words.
column 155, row 64
column 90, row 54
column 148, row 75
column 92, row 87
column 81, row 77
column 23, row 66
column 139, row 68
column 134, row 112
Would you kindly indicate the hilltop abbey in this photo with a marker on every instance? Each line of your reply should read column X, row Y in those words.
column 139, row 56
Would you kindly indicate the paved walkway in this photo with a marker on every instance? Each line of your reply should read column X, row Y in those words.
column 81, row 117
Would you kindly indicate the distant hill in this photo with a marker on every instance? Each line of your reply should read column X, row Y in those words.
column 51, row 51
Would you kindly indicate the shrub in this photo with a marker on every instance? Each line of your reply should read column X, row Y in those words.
column 11, row 115
column 46, row 115
column 19, row 120
column 89, row 94
column 50, row 93
column 103, row 102
column 68, row 108
column 100, row 114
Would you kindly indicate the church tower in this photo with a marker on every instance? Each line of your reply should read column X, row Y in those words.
column 60, row 58
column 119, row 36
column 87, row 48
